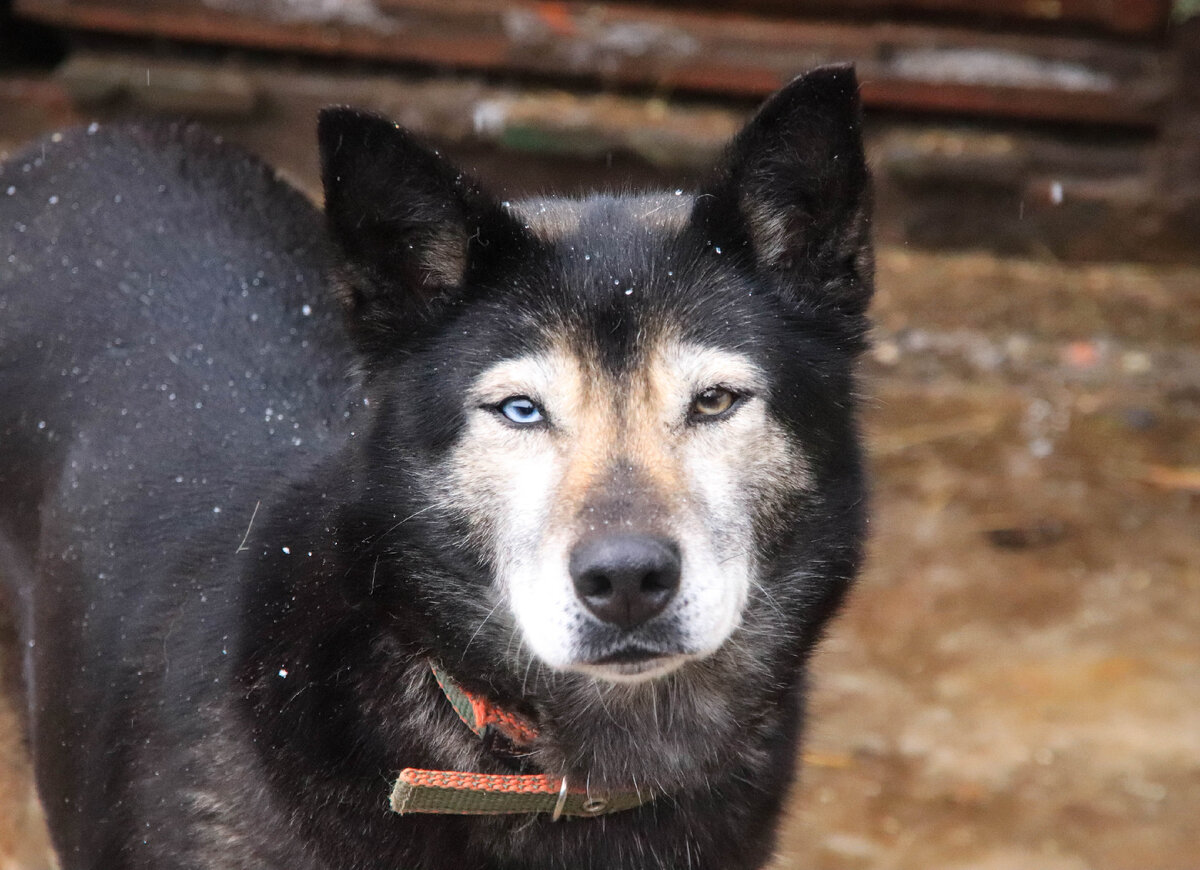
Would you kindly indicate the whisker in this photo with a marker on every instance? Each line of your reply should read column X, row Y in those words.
column 411, row 516
column 482, row 623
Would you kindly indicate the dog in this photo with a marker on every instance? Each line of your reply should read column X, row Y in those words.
column 437, row 531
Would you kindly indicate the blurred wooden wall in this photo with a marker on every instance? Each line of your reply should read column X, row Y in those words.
column 1040, row 127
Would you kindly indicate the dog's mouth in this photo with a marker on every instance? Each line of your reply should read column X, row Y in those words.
column 633, row 663
column 633, row 654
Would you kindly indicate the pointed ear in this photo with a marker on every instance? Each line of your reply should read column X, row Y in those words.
column 794, row 188
column 408, row 223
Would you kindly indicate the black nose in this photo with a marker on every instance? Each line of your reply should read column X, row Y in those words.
column 625, row 579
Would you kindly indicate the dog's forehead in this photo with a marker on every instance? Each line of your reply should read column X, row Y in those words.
column 601, row 217
column 619, row 270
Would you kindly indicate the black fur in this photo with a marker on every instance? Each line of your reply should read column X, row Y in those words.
column 200, row 700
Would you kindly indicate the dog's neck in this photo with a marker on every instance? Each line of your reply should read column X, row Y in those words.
column 507, row 736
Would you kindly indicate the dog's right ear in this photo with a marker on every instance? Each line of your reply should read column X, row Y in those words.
column 409, row 224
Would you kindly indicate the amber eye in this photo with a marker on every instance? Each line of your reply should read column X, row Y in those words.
column 713, row 402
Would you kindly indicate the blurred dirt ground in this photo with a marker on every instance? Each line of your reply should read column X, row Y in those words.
column 1015, row 684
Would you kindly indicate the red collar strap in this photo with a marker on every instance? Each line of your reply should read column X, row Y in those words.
column 460, row 793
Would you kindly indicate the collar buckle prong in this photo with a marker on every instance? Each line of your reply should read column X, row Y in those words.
column 561, row 802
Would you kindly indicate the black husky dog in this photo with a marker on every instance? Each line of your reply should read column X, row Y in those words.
column 482, row 535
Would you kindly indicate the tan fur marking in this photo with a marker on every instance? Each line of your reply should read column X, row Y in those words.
column 663, row 211
column 445, row 258
column 768, row 231
column 590, row 432
column 551, row 219
column 556, row 219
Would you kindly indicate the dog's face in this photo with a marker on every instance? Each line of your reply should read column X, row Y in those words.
column 626, row 408
column 618, row 504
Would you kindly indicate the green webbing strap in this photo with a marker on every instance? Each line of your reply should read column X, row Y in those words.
column 451, row 792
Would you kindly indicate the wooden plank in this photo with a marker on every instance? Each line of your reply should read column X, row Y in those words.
column 1178, row 158
column 1126, row 17
column 901, row 66
column 659, row 132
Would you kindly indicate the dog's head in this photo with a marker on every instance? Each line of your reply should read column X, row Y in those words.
column 621, row 422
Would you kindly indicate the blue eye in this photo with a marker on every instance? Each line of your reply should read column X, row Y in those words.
column 521, row 410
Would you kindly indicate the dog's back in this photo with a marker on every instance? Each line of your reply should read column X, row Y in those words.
column 166, row 356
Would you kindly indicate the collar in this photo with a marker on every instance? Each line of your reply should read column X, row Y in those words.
column 459, row 793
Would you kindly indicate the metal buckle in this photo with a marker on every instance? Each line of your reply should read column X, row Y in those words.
column 561, row 802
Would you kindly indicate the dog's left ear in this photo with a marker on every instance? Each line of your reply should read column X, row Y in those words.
column 410, row 225
column 793, row 186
